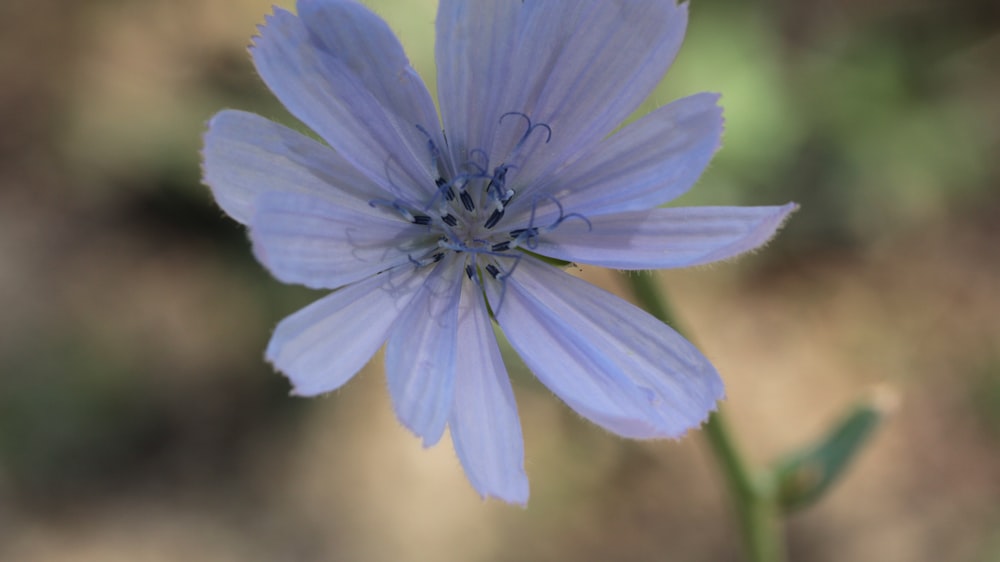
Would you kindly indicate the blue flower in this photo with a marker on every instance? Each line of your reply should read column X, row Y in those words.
column 425, row 231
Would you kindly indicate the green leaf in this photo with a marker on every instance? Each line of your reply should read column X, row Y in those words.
column 805, row 475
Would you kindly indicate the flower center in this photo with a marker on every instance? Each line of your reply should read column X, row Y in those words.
column 466, row 211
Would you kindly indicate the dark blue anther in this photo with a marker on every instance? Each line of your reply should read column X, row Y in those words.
column 470, row 271
column 517, row 232
column 500, row 247
column 493, row 270
column 449, row 219
column 445, row 188
column 494, row 218
column 467, row 201
column 438, row 257
column 499, row 178
column 421, row 219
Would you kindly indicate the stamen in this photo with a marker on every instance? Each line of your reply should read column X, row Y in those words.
column 498, row 180
column 517, row 232
column 494, row 218
column 470, row 271
column 467, row 201
column 445, row 189
column 449, row 219
column 493, row 270
column 403, row 211
column 529, row 239
column 497, row 190
column 529, row 236
column 426, row 260
column 500, row 247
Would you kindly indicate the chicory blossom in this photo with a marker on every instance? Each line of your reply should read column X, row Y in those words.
column 428, row 230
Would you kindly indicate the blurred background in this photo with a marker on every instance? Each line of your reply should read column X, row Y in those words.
column 139, row 421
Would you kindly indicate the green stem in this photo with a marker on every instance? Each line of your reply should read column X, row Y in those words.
column 755, row 499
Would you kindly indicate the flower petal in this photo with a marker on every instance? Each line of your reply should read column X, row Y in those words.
column 648, row 163
column 579, row 66
column 323, row 345
column 610, row 361
column 246, row 155
column 420, row 354
column 316, row 242
column 342, row 72
column 484, row 424
column 663, row 238
column 473, row 51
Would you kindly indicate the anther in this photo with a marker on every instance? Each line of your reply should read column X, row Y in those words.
column 448, row 193
column 517, row 232
column 426, row 260
column 494, row 218
column 449, row 219
column 498, row 180
column 470, row 271
column 467, row 201
column 403, row 211
column 500, row 247
column 493, row 270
